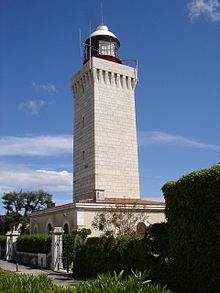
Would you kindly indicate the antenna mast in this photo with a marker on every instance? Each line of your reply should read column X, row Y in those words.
column 101, row 11
column 80, row 42
column 90, row 46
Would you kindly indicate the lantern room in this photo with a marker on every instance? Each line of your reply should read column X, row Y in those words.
column 102, row 44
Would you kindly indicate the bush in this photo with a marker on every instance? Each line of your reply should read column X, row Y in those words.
column 192, row 209
column 2, row 241
column 100, row 255
column 135, row 283
column 36, row 243
column 70, row 244
column 156, row 236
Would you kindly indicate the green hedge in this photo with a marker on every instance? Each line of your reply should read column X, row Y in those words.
column 135, row 283
column 100, row 255
column 2, row 241
column 36, row 243
column 193, row 213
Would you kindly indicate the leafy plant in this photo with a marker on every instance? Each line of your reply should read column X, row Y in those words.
column 136, row 283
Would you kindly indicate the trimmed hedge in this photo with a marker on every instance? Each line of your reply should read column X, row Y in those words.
column 100, row 255
column 21, row 283
column 193, row 212
column 2, row 241
column 36, row 243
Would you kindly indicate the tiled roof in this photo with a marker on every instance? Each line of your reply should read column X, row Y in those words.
column 124, row 201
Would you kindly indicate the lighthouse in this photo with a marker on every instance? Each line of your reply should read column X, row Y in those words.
column 105, row 135
column 105, row 143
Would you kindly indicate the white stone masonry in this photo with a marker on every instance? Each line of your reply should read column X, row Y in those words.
column 105, row 140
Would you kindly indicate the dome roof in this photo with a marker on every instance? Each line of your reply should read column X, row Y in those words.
column 102, row 29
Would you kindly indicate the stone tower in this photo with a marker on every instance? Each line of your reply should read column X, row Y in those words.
column 105, row 138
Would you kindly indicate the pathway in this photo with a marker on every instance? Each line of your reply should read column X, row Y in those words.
column 61, row 278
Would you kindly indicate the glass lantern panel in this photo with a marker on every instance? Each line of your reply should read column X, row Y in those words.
column 107, row 48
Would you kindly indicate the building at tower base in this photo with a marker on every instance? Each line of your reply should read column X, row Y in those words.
column 75, row 216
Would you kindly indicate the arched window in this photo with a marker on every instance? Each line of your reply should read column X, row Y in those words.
column 66, row 228
column 49, row 228
column 141, row 228
column 35, row 230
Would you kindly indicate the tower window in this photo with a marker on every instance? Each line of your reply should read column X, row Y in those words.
column 83, row 156
column 83, row 121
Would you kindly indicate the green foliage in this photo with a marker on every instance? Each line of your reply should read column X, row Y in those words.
column 84, row 233
column 100, row 255
column 13, row 283
column 156, row 236
column 20, row 205
column 116, row 283
column 71, row 242
column 36, row 243
column 118, row 223
column 2, row 241
column 193, row 213
column 135, row 283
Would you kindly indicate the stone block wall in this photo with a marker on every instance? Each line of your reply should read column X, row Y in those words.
column 105, row 139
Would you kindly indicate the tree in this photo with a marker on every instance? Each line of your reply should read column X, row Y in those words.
column 120, row 221
column 19, row 205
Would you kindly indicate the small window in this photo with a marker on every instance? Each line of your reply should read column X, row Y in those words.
column 83, row 121
column 83, row 156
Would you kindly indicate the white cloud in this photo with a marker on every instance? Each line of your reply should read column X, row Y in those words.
column 32, row 107
column 19, row 177
column 49, row 88
column 157, row 137
column 36, row 145
column 208, row 8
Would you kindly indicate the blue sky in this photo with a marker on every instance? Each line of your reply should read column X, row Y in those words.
column 177, row 45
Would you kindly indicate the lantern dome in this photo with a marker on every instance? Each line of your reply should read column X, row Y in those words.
column 102, row 44
column 102, row 29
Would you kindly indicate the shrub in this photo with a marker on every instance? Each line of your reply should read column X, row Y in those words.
column 70, row 244
column 2, row 241
column 100, row 255
column 156, row 236
column 192, row 209
column 36, row 243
